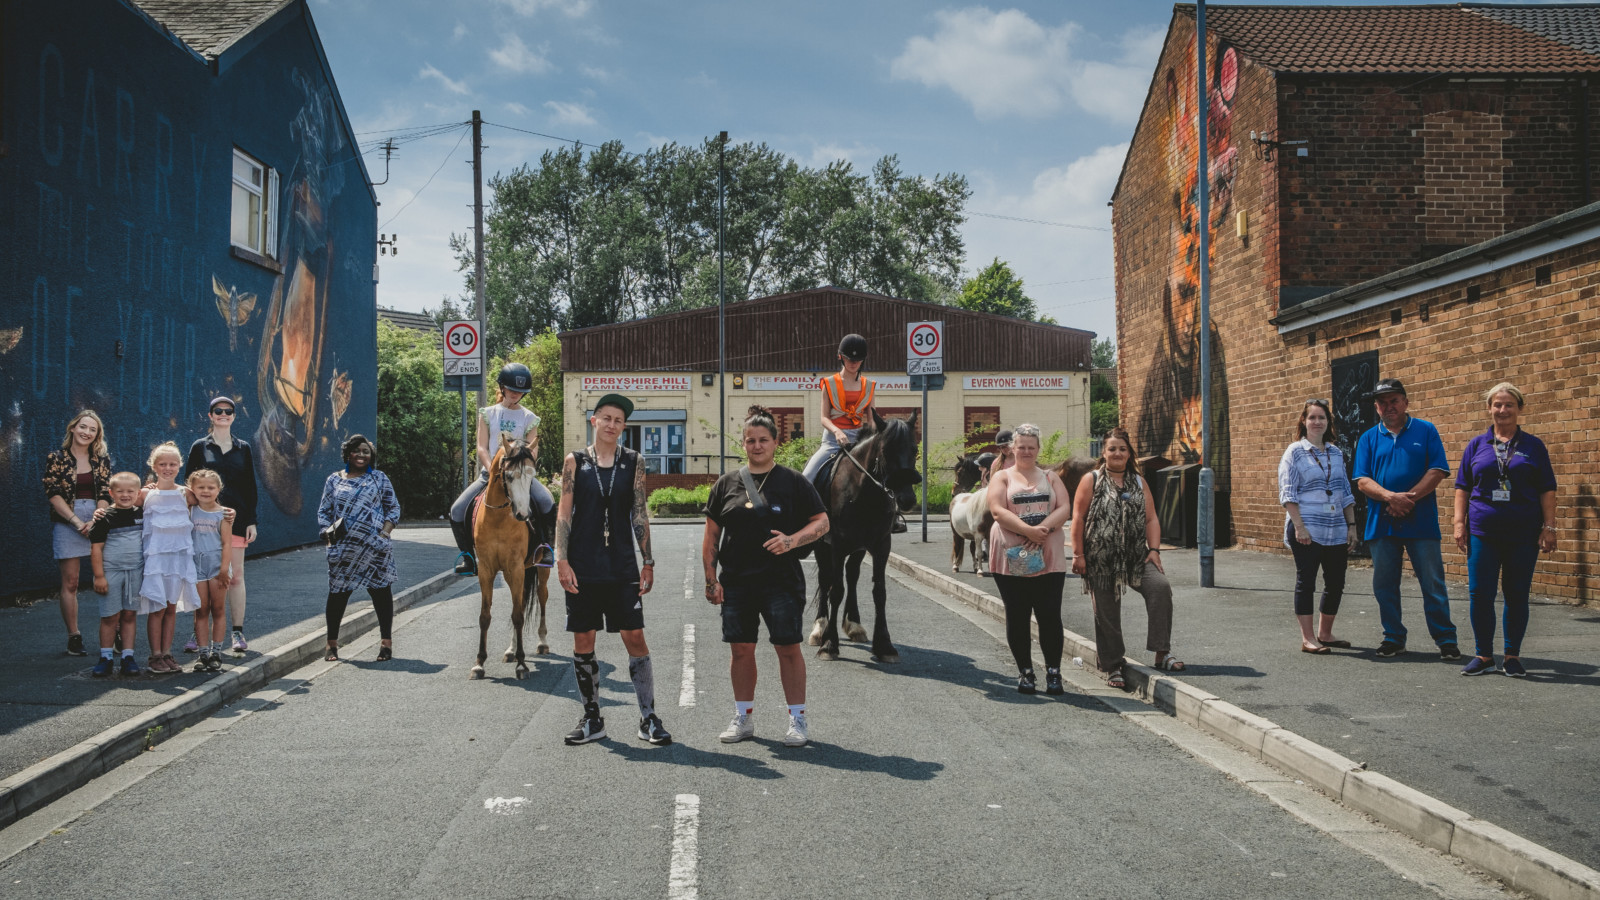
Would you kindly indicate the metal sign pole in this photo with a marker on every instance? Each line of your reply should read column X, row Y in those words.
column 925, row 457
column 466, row 453
column 1205, row 528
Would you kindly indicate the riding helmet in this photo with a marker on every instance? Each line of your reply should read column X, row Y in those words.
column 516, row 377
column 853, row 347
column 1003, row 439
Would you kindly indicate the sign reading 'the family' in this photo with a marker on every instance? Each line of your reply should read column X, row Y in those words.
column 811, row 382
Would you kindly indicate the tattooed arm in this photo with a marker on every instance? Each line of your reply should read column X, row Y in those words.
column 564, row 573
column 641, row 528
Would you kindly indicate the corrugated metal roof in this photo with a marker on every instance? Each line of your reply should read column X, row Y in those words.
column 209, row 26
column 800, row 332
column 1486, row 39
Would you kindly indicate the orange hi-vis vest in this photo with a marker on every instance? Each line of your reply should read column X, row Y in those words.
column 849, row 403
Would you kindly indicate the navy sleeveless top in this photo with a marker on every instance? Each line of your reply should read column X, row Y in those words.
column 591, row 558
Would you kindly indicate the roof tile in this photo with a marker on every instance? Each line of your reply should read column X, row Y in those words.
column 209, row 26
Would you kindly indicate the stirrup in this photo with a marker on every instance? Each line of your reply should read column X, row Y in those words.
column 550, row 556
column 472, row 563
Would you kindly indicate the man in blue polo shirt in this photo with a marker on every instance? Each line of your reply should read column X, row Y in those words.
column 1398, row 464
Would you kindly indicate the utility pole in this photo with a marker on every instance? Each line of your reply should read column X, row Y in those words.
column 479, row 311
column 722, row 309
column 1206, row 527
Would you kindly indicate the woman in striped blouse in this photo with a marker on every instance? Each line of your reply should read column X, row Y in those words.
column 1314, row 489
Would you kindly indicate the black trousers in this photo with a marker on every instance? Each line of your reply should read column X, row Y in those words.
column 1028, row 598
column 382, row 602
column 1308, row 558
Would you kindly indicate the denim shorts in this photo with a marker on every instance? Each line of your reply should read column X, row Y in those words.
column 745, row 604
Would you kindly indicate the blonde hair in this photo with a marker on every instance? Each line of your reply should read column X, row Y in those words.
column 1026, row 429
column 1504, row 387
column 204, row 473
column 159, row 449
column 98, row 448
column 122, row 477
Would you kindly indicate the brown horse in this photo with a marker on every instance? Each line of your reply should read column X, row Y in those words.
column 505, row 545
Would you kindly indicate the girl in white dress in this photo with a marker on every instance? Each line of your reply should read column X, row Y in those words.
column 169, row 573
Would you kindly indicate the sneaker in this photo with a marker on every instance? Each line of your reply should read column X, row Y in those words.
column 650, row 729
column 1513, row 667
column 1390, row 648
column 156, row 665
column 214, row 662
column 1449, row 652
column 1025, row 684
column 796, row 735
column 75, row 645
column 466, row 564
column 1478, row 666
column 742, row 728
column 191, row 647
column 172, row 664
column 239, row 643
column 202, row 664
column 1052, row 682
column 590, row 728
column 103, row 667
column 130, row 668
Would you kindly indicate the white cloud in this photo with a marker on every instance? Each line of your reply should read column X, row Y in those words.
column 450, row 84
column 702, row 80
column 1005, row 63
column 823, row 154
column 516, row 56
column 460, row 32
column 572, row 9
column 596, row 73
column 569, row 113
column 517, row 109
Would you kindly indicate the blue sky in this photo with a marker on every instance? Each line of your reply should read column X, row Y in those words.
column 1033, row 102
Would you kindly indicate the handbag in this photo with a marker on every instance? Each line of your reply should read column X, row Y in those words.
column 1022, row 561
column 336, row 532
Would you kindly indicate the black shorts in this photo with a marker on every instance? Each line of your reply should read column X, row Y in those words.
column 617, row 605
column 745, row 604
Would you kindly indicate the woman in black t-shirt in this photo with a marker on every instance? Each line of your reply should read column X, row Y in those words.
column 756, row 539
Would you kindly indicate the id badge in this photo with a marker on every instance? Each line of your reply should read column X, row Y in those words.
column 1500, row 496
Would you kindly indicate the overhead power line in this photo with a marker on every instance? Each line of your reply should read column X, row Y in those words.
column 1037, row 221
column 428, row 182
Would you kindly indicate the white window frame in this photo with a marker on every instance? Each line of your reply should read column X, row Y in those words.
column 268, row 192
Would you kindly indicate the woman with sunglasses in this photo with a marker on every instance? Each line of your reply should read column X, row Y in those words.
column 1314, row 491
column 230, row 458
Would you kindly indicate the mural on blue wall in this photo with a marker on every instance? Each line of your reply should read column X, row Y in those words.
column 292, row 336
column 236, row 307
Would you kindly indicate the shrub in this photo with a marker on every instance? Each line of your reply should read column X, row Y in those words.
column 672, row 501
column 419, row 424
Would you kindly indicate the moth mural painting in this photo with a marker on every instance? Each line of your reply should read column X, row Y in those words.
column 236, row 308
column 288, row 381
column 1171, row 417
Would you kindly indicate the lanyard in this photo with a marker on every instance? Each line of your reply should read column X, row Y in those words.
column 1502, row 457
column 605, row 489
column 1327, row 470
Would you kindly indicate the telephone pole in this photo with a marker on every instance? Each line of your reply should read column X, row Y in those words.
column 479, row 311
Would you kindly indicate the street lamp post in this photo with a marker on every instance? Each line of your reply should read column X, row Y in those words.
column 722, row 308
column 1206, row 512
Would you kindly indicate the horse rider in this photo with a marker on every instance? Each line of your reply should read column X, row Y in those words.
column 847, row 405
column 505, row 421
column 1003, row 458
column 602, row 512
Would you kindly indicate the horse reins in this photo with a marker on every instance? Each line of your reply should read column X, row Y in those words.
column 850, row 456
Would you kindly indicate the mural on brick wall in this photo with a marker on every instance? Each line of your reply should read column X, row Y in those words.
column 1170, row 419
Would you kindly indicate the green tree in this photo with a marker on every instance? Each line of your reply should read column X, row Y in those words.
column 419, row 425
column 1103, row 353
column 997, row 290
column 1102, row 417
column 542, row 356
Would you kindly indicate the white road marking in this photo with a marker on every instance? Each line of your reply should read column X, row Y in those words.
column 505, row 806
column 683, row 877
column 686, row 691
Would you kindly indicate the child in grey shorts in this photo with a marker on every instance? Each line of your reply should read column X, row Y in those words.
column 116, row 542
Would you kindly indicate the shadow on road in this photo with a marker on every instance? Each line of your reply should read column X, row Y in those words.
column 694, row 757
column 819, row 753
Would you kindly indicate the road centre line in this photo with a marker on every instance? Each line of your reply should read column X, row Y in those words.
column 683, row 876
column 686, row 692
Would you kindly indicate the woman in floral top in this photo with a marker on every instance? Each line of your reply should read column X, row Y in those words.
column 76, row 483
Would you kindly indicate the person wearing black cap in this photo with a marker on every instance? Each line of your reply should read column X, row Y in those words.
column 602, row 514
column 1398, row 464
column 231, row 459
column 504, row 421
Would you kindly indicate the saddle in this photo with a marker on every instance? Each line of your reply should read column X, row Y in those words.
column 824, row 477
column 540, row 553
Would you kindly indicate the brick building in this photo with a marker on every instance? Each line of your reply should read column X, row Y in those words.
column 1400, row 190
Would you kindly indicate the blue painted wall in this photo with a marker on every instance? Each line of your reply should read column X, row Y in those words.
column 115, row 196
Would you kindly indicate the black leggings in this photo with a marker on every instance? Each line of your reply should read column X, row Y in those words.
column 382, row 602
column 1332, row 560
column 1028, row 597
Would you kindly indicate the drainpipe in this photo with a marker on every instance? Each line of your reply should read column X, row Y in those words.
column 1583, row 139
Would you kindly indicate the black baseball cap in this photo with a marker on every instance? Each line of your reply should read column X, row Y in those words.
column 1385, row 386
column 617, row 400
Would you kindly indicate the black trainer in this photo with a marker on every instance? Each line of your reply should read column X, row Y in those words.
column 75, row 645
column 590, row 728
column 1449, row 651
column 1390, row 648
column 1025, row 683
column 1052, row 682
column 651, row 729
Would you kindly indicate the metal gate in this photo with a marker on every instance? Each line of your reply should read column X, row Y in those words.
column 1353, row 377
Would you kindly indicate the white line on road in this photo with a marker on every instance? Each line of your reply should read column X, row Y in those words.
column 686, row 692
column 683, row 878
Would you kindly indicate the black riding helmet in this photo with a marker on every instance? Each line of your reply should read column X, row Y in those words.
column 516, row 377
column 853, row 347
column 1003, row 439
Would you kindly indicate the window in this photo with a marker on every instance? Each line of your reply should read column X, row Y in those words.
column 255, row 206
column 791, row 422
column 982, row 425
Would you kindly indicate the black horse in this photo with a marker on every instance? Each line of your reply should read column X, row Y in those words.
column 862, row 492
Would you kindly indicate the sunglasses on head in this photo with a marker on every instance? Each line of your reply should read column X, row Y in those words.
column 222, row 410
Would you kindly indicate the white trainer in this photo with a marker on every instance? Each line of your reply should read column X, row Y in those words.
column 796, row 735
column 742, row 728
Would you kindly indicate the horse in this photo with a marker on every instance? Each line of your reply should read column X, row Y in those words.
column 505, row 545
column 863, row 491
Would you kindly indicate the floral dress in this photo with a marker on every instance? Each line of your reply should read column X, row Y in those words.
column 365, row 558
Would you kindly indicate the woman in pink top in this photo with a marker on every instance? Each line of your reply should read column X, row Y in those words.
column 1027, row 557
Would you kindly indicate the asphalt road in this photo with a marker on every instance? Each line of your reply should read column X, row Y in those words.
column 931, row 778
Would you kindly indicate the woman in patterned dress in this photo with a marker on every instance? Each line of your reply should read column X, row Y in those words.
column 364, row 499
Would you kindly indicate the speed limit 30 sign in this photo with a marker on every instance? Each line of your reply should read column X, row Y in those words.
column 925, row 348
column 463, row 348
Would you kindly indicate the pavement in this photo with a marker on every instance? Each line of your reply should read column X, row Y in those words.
column 1520, row 753
column 49, row 701
column 929, row 778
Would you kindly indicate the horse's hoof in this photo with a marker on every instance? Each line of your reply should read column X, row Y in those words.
column 510, row 656
column 827, row 654
column 477, row 673
column 853, row 631
column 817, row 632
column 890, row 657
column 522, row 672
column 542, row 649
